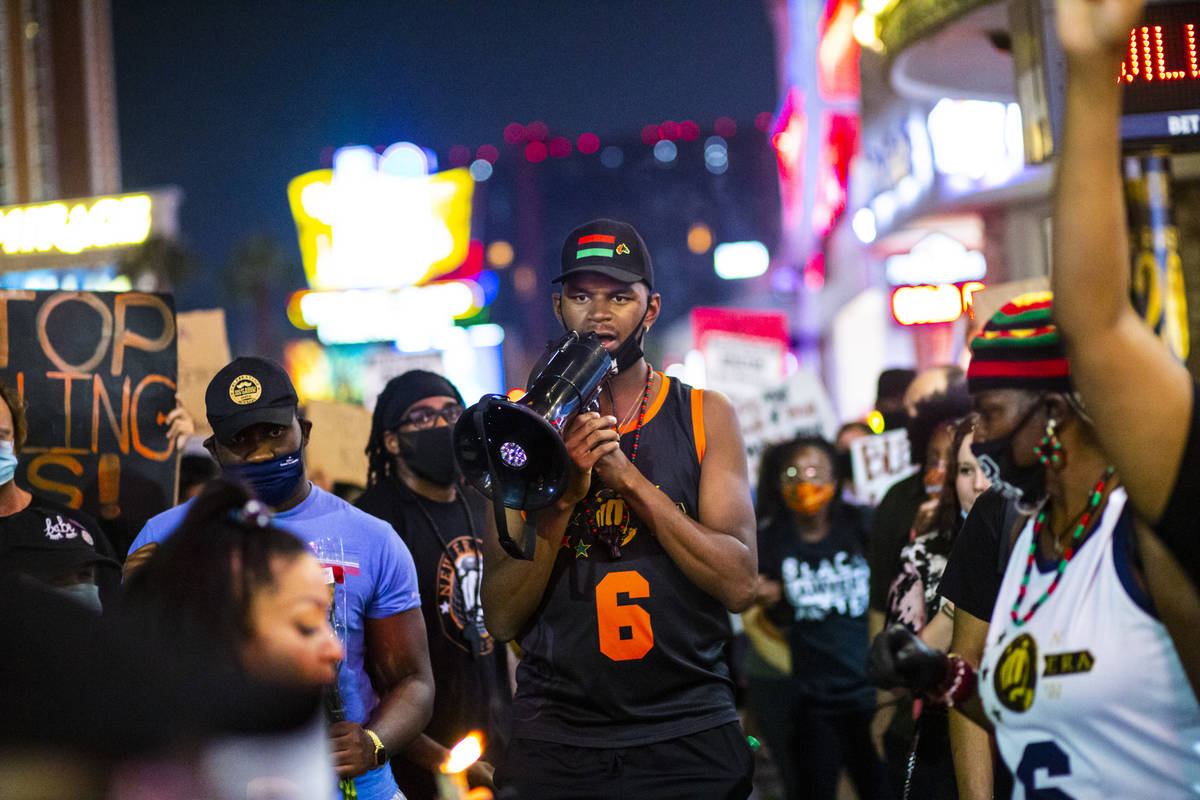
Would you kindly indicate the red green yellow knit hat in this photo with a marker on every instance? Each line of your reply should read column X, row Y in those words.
column 1019, row 348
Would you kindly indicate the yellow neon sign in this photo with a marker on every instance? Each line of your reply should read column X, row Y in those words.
column 85, row 225
column 365, row 228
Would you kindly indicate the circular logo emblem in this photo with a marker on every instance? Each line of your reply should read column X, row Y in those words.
column 245, row 389
column 1016, row 674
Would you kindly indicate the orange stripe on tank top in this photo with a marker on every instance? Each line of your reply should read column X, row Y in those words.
column 698, row 421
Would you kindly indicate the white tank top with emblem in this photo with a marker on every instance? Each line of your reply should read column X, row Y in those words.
column 1088, row 697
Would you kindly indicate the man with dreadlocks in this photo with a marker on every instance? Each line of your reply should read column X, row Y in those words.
column 413, row 483
column 621, row 611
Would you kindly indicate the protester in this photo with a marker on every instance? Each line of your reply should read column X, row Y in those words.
column 1080, row 679
column 890, row 388
column 914, row 602
column 60, row 546
column 385, row 683
column 629, row 698
column 414, row 484
column 1142, row 399
column 846, row 435
column 814, row 551
column 231, row 589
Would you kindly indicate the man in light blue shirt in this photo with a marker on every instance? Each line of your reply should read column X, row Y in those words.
column 386, row 683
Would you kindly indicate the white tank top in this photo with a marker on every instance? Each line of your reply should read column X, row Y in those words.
column 1088, row 697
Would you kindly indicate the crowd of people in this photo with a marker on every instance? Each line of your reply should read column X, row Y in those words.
column 1015, row 618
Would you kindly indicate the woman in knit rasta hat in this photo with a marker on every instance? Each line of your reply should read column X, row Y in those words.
column 1079, row 678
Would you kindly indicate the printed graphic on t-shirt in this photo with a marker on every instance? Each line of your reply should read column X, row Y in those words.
column 837, row 586
column 458, row 583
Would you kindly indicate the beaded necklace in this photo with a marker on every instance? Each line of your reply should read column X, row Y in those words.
column 611, row 536
column 1093, row 503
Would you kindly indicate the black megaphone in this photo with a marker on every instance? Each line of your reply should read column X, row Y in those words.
column 513, row 451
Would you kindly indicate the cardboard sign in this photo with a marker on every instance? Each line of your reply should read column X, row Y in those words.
column 337, row 448
column 878, row 462
column 799, row 406
column 96, row 373
column 203, row 351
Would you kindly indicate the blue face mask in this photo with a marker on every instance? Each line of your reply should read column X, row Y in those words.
column 273, row 481
column 8, row 462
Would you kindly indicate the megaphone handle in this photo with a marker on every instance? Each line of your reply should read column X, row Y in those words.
column 498, row 507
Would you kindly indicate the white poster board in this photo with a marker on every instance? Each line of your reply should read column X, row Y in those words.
column 878, row 462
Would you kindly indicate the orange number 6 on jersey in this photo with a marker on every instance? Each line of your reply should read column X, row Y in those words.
column 625, row 632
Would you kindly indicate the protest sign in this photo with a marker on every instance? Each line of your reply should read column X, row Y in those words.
column 798, row 406
column 96, row 373
column 878, row 462
column 337, row 448
column 203, row 350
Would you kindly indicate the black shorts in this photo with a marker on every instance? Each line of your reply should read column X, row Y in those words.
column 715, row 764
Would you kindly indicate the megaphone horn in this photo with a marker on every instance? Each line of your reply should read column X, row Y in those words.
column 513, row 451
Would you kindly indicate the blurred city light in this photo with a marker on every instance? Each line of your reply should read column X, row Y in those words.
column 401, row 160
column 481, row 169
column 726, row 127
column 918, row 305
column 536, row 131
column 863, row 225
column 699, row 238
column 525, row 280
column 514, row 133
column 716, row 155
column 535, row 151
column 499, row 254
column 976, row 139
column 612, row 157
column 460, row 156
column 936, row 259
column 736, row 260
column 689, row 131
column 560, row 147
column 865, row 29
column 488, row 153
column 669, row 130
column 588, row 143
column 665, row 151
column 106, row 222
column 651, row 134
column 763, row 121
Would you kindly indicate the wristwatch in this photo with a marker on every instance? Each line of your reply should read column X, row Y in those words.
column 380, row 750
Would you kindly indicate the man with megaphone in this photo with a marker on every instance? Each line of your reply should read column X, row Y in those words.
column 621, row 610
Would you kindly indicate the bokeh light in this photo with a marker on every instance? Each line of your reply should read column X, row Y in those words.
column 560, row 147
column 689, row 131
column 665, row 151
column 514, row 133
column 488, row 153
column 724, row 126
column 763, row 121
column 669, row 130
column 499, row 254
column 480, row 169
column 699, row 238
column 535, row 151
column 612, row 157
column 651, row 134
column 525, row 280
column 536, row 131
column 588, row 143
column 460, row 156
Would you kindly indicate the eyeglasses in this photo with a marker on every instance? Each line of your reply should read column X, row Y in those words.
column 806, row 475
column 426, row 417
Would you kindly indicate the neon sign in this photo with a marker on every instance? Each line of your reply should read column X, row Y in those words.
column 1161, row 74
column 377, row 221
column 87, row 224
column 922, row 305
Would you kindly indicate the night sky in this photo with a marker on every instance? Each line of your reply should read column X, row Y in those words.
column 229, row 101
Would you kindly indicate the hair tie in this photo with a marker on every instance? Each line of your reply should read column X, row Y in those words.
column 254, row 514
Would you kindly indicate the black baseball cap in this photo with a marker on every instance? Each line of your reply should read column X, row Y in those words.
column 610, row 248
column 246, row 391
column 47, row 552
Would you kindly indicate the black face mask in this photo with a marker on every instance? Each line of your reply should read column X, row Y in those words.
column 1026, row 486
column 429, row 453
column 631, row 349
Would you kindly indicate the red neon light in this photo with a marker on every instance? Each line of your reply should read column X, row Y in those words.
column 1147, row 55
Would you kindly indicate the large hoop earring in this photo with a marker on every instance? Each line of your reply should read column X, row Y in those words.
column 1050, row 450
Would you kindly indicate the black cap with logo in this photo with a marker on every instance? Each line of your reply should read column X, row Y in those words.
column 247, row 391
column 610, row 248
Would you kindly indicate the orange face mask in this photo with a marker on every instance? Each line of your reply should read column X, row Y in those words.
column 807, row 498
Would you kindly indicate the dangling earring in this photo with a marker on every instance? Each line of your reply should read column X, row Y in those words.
column 1049, row 449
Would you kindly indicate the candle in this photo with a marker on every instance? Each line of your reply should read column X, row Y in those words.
column 451, row 777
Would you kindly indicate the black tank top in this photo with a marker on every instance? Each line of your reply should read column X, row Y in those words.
column 627, row 651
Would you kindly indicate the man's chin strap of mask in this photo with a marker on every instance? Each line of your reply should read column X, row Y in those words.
column 630, row 350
